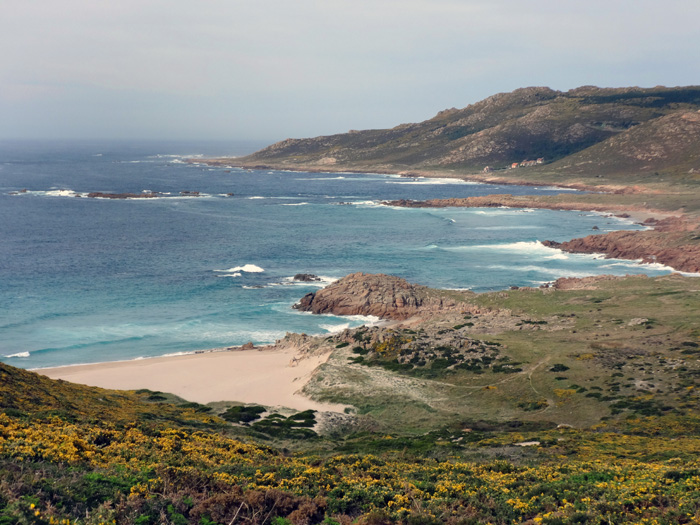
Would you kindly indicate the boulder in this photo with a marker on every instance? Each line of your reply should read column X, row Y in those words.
column 379, row 295
column 306, row 277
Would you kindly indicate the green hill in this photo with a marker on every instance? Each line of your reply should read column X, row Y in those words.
column 527, row 124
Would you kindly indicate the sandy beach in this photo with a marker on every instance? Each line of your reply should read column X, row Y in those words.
column 269, row 377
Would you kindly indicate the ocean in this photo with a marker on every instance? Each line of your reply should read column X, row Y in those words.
column 86, row 280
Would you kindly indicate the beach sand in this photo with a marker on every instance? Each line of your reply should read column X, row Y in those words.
column 268, row 377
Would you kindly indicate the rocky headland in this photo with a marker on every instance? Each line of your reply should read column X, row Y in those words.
column 510, row 201
column 636, row 150
column 671, row 240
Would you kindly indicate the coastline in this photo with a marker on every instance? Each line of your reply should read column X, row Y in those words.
column 271, row 376
column 667, row 239
column 638, row 214
column 409, row 173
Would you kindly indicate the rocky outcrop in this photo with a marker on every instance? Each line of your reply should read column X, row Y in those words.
column 144, row 195
column 672, row 242
column 648, row 247
column 306, row 277
column 380, row 295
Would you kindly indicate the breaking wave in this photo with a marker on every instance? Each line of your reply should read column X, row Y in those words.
column 18, row 354
column 236, row 270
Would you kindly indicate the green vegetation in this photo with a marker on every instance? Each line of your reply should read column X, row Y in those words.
column 547, row 406
column 243, row 414
column 624, row 348
column 600, row 135
column 127, row 468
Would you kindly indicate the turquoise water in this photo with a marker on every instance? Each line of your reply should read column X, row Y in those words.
column 90, row 280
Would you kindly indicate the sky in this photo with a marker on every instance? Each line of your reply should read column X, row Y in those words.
column 273, row 69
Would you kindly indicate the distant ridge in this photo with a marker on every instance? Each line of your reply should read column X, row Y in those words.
column 613, row 130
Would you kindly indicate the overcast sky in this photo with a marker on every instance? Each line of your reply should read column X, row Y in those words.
column 271, row 69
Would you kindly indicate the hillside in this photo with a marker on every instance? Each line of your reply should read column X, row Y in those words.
column 668, row 144
column 585, row 129
column 570, row 404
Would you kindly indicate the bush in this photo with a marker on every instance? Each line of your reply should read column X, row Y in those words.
column 559, row 368
column 243, row 414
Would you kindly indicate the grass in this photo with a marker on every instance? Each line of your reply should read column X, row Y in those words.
column 624, row 349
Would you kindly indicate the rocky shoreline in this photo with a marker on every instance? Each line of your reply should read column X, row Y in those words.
column 413, row 173
column 671, row 241
column 510, row 201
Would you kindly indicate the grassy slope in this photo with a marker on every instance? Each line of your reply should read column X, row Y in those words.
column 630, row 338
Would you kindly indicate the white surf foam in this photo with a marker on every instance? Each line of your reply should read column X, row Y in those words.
column 366, row 204
column 296, row 204
column 501, row 210
column 555, row 188
column 176, row 354
column 18, row 354
column 520, row 247
column 369, row 320
column 366, row 319
column 557, row 272
column 322, row 178
column 560, row 255
column 334, row 329
column 433, row 181
column 249, row 268
column 636, row 263
column 163, row 156
column 58, row 193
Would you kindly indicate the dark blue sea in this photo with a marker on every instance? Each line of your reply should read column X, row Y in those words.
column 89, row 280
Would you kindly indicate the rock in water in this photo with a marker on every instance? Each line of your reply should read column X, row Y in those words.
column 306, row 277
column 380, row 295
